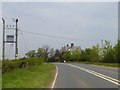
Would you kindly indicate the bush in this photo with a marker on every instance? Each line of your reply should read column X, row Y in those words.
column 10, row 65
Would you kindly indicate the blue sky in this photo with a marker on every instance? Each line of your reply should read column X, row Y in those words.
column 88, row 22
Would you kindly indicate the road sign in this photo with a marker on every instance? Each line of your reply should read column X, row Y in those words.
column 10, row 39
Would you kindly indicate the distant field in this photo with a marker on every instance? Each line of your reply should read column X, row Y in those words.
column 116, row 65
column 38, row 76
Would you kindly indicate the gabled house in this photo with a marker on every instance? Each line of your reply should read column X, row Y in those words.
column 70, row 48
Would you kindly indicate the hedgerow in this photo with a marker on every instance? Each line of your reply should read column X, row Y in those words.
column 10, row 65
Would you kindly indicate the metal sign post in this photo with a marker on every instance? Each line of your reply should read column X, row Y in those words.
column 16, row 46
column 10, row 38
column 3, row 52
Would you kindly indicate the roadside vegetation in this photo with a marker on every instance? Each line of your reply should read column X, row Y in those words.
column 106, row 55
column 115, row 65
column 11, row 65
column 0, row 74
column 37, row 76
column 27, row 73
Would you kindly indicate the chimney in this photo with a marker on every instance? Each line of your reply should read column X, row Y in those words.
column 67, row 45
column 72, row 45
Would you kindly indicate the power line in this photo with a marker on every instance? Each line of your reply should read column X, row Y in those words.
column 55, row 37
column 50, row 36
column 26, row 46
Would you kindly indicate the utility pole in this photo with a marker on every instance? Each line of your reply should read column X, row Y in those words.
column 3, row 51
column 16, row 45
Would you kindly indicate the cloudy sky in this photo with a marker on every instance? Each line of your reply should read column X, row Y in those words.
column 59, row 23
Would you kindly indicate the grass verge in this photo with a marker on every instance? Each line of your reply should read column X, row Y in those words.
column 0, row 80
column 38, row 76
column 115, row 65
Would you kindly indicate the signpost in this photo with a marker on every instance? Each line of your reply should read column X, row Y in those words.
column 10, row 38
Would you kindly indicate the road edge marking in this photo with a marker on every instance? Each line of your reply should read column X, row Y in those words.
column 55, row 77
column 95, row 73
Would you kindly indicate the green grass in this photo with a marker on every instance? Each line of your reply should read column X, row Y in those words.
column 116, row 65
column 0, row 80
column 33, row 77
column 0, row 74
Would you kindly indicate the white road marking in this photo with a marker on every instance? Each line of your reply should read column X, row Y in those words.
column 55, row 77
column 115, row 81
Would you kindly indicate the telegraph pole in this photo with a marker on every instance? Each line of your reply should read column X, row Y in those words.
column 16, row 45
column 3, row 51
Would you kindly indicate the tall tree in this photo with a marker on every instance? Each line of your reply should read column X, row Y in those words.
column 108, row 53
column 117, row 52
column 66, row 55
column 75, row 55
column 31, row 54
column 91, row 54
column 46, row 51
column 40, row 53
column 95, row 53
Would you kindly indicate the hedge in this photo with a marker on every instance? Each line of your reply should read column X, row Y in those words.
column 10, row 65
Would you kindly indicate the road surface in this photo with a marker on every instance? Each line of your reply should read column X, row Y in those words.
column 85, row 76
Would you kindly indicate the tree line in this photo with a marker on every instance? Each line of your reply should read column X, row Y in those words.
column 105, row 54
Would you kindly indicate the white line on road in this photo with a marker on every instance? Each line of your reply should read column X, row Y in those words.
column 55, row 77
column 115, row 81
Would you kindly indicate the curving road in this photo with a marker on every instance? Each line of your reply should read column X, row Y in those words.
column 85, row 76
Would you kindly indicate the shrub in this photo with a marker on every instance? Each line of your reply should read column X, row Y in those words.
column 10, row 65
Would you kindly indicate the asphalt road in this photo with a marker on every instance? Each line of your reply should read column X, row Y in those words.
column 85, row 76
